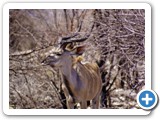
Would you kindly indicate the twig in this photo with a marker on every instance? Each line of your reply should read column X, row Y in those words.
column 34, row 38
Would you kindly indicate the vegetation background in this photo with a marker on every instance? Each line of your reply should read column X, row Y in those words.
column 116, row 43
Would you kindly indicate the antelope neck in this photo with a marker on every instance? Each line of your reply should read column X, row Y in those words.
column 70, row 74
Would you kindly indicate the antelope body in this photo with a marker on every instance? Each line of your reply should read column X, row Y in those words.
column 81, row 81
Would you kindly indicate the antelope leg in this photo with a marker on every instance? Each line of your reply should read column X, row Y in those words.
column 83, row 104
column 69, row 99
column 96, row 103
column 70, row 103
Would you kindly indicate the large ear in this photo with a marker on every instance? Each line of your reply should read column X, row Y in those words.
column 78, row 50
column 69, row 47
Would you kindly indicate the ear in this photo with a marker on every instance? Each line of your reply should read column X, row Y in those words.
column 69, row 47
column 78, row 50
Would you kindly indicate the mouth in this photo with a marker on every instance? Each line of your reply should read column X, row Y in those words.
column 43, row 64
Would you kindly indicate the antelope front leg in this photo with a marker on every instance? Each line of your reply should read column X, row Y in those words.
column 69, row 99
column 70, row 103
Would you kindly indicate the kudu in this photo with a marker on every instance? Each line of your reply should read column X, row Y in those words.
column 81, row 81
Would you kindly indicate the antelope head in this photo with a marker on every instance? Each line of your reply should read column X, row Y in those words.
column 66, row 53
column 66, row 57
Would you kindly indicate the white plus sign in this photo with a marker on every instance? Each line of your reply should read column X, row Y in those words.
column 147, row 99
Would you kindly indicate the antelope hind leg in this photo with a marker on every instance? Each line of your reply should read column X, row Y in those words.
column 83, row 104
column 96, row 102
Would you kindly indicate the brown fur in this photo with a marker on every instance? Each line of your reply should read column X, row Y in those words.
column 81, row 82
column 76, row 60
column 88, row 88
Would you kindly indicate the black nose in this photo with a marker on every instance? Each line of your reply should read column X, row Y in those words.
column 44, row 62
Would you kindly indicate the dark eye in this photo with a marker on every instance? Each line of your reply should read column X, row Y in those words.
column 58, row 54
